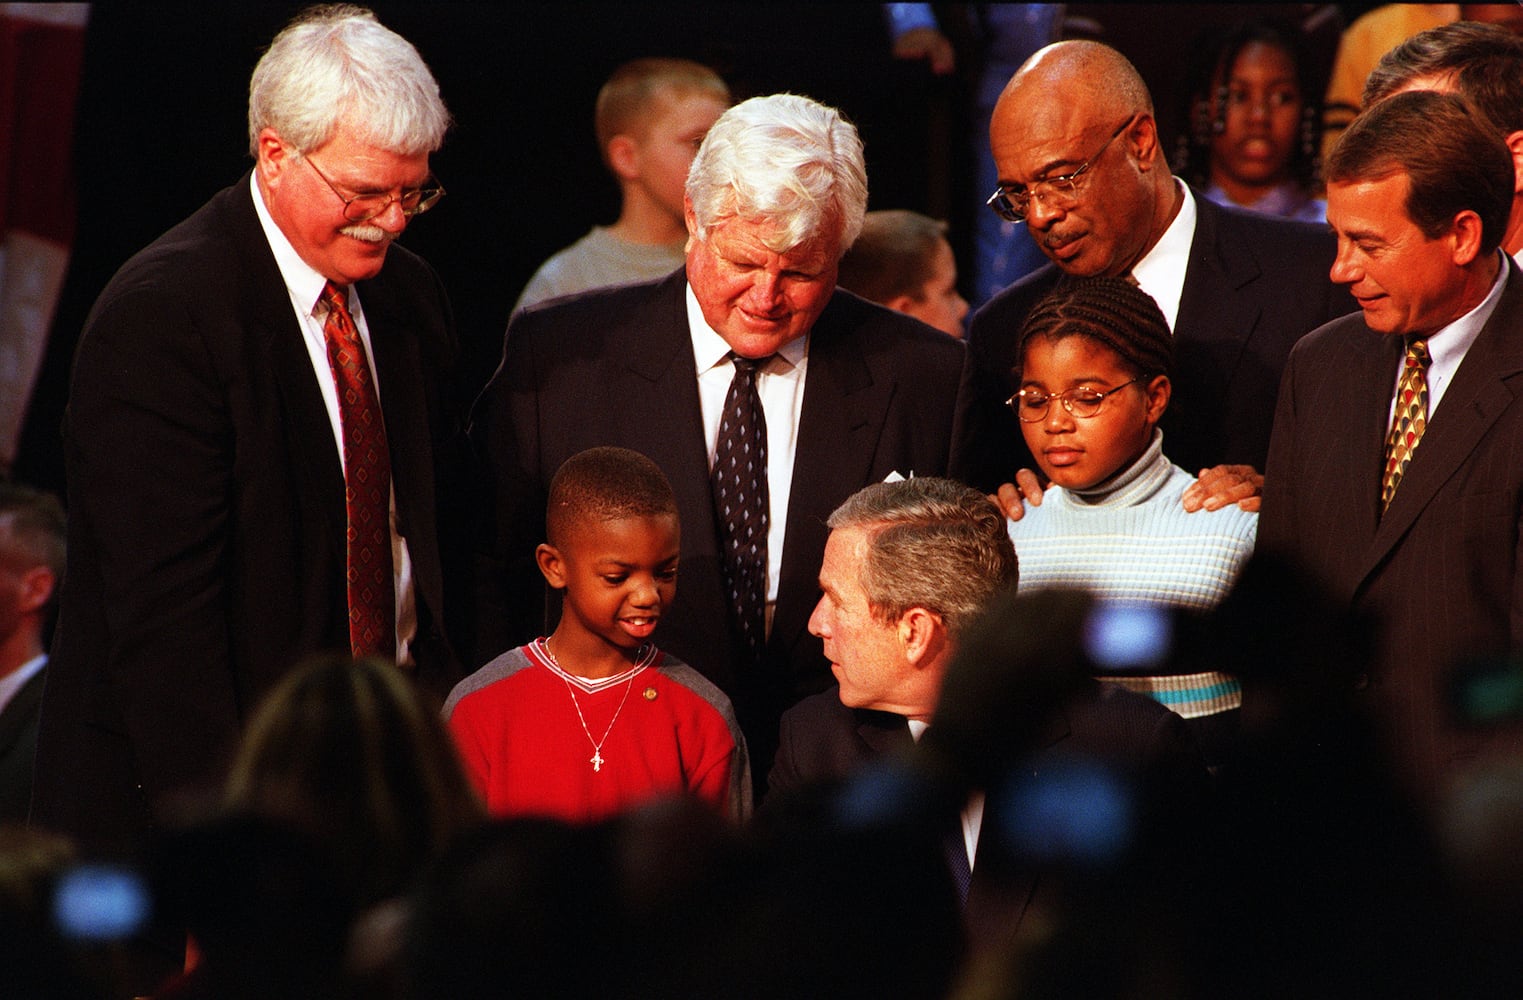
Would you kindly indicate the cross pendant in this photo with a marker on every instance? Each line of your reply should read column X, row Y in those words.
column 597, row 760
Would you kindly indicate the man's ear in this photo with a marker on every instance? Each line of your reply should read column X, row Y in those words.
column 1142, row 141
column 37, row 586
column 1515, row 147
column 272, row 156
column 551, row 565
column 1465, row 237
column 920, row 631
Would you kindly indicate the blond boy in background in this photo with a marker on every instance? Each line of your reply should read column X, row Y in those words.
column 650, row 117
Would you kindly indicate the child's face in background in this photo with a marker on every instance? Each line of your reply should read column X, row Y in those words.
column 667, row 145
column 618, row 577
column 1261, row 117
column 1080, row 452
column 939, row 303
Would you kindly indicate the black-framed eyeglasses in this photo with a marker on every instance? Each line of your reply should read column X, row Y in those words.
column 1031, row 406
column 1061, row 191
column 364, row 207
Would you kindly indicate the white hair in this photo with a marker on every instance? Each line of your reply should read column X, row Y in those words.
column 785, row 160
column 337, row 63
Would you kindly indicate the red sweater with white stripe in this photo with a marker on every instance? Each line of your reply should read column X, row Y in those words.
column 658, row 728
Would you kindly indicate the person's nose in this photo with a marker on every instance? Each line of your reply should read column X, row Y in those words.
column 643, row 591
column 1042, row 211
column 766, row 288
column 1058, row 419
column 391, row 218
column 818, row 627
column 1344, row 271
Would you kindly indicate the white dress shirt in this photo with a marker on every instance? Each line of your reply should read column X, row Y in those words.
column 305, row 286
column 1161, row 271
column 1448, row 345
column 14, row 681
column 780, row 384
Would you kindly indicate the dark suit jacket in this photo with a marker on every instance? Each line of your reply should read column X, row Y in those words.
column 206, row 512
column 820, row 741
column 1253, row 287
column 18, row 744
column 615, row 367
column 1441, row 567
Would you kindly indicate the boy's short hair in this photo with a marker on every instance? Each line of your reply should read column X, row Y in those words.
column 1112, row 312
column 626, row 101
column 894, row 255
column 605, row 484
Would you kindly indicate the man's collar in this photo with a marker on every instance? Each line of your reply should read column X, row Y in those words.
column 1450, row 342
column 1174, row 245
column 304, row 283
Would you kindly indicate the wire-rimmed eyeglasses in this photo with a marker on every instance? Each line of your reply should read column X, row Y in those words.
column 1031, row 406
column 364, row 207
column 1061, row 191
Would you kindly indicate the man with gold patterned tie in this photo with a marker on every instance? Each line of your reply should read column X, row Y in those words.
column 1396, row 464
column 251, row 440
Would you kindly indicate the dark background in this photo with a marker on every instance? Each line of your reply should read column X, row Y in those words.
column 163, row 103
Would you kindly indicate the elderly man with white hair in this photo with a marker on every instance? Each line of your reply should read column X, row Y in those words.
column 765, row 394
column 251, row 441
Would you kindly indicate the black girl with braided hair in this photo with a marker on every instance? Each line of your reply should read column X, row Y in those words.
column 1096, row 357
column 1253, row 123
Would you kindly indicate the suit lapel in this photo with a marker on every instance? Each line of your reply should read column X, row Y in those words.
column 395, row 348
column 1206, row 314
column 662, row 396
column 1481, row 390
column 843, row 414
column 266, row 306
column 883, row 733
column 1353, row 488
column 20, row 712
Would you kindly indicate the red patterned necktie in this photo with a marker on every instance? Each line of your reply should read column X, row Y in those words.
column 740, row 499
column 367, row 484
column 1409, row 421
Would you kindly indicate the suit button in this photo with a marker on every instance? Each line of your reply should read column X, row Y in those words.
column 1361, row 682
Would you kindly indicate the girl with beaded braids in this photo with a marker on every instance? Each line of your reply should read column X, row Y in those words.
column 1095, row 361
column 1253, row 124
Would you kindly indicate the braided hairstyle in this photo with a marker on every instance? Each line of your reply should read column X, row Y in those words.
column 1205, row 109
column 1112, row 312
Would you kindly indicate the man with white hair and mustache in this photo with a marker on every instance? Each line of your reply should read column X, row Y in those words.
column 250, row 440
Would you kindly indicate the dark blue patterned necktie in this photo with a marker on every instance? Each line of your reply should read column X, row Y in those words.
column 739, row 482
column 956, row 846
